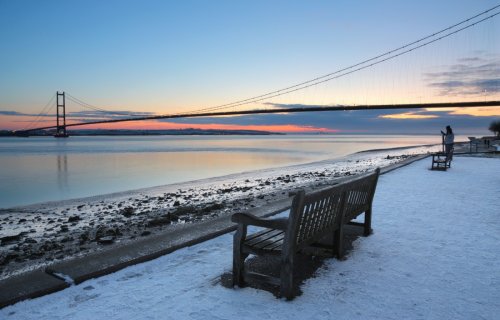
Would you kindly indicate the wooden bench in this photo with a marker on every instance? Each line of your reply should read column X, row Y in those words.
column 312, row 217
column 440, row 161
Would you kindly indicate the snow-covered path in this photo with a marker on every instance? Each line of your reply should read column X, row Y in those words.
column 433, row 255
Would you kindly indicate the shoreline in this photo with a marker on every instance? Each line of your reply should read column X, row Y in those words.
column 202, row 181
column 41, row 234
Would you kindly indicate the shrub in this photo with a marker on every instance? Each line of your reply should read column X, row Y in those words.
column 495, row 127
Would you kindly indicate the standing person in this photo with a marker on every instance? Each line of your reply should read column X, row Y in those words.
column 449, row 139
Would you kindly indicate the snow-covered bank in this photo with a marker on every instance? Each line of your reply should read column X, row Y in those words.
column 433, row 255
column 38, row 235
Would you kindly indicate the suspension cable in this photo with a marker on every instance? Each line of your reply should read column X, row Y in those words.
column 329, row 77
column 44, row 112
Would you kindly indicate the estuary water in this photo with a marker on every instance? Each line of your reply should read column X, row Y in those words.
column 40, row 169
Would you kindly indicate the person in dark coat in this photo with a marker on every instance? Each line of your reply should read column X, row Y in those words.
column 449, row 140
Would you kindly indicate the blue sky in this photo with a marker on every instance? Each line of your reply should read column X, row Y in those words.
column 174, row 56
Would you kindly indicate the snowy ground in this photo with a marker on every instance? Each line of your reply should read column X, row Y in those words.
column 42, row 234
column 433, row 255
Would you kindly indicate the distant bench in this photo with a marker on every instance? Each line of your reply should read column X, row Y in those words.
column 312, row 217
column 440, row 161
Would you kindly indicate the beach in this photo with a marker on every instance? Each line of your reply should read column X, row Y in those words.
column 37, row 236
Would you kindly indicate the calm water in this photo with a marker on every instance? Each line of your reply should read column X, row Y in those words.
column 42, row 169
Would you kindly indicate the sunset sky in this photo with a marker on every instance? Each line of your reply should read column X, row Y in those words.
column 163, row 57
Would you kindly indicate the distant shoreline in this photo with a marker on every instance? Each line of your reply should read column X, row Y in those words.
column 99, row 132
column 212, row 132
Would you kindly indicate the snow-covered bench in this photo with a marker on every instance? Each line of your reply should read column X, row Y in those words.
column 312, row 217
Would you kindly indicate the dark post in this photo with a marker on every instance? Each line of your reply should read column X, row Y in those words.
column 61, row 116
column 442, row 142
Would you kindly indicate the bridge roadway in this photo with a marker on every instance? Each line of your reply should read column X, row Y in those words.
column 291, row 110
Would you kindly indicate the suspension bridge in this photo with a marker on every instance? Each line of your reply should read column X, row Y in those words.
column 229, row 109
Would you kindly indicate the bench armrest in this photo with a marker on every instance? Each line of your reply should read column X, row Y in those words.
column 250, row 219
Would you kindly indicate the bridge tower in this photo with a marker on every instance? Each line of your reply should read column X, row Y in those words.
column 61, row 116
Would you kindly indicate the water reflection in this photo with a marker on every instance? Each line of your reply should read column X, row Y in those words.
column 62, row 171
column 36, row 170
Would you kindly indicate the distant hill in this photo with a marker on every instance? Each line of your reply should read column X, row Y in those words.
column 146, row 132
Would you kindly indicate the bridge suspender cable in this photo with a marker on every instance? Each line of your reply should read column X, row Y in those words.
column 286, row 90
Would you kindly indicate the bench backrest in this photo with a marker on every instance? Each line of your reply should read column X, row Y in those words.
column 359, row 195
column 313, row 214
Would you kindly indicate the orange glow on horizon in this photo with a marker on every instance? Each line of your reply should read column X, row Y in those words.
column 20, row 123
column 408, row 115
column 148, row 125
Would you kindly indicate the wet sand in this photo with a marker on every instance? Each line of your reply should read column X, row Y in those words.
column 41, row 234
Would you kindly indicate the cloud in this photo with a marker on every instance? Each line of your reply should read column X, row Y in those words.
column 14, row 113
column 470, row 76
column 409, row 115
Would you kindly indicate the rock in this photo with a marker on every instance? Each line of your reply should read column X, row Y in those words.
column 127, row 212
column 11, row 238
column 74, row 219
column 106, row 240
column 159, row 222
column 145, row 233
column 10, row 256
column 212, row 207
column 66, row 239
column 84, row 237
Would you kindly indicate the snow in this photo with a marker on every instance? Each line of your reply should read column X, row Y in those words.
column 433, row 255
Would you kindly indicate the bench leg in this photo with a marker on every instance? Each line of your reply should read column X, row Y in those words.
column 286, row 288
column 238, row 258
column 239, row 269
column 338, row 236
column 368, row 223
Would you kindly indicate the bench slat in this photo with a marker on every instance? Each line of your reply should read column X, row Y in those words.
column 263, row 236
column 318, row 215
column 270, row 244
column 258, row 234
